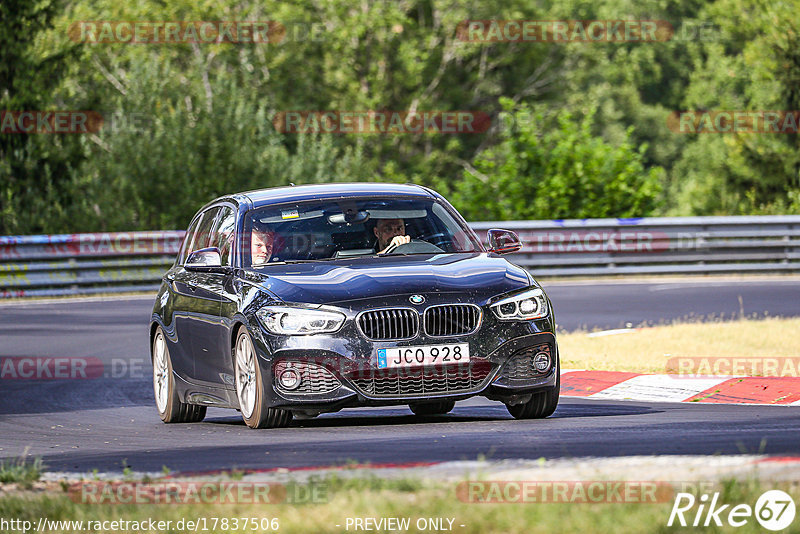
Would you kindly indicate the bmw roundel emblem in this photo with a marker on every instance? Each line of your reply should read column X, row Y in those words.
column 416, row 299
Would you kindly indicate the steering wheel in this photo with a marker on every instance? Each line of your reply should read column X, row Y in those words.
column 415, row 246
column 439, row 239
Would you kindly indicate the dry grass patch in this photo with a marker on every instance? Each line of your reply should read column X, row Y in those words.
column 648, row 350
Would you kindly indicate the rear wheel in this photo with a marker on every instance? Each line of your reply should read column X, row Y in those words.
column 169, row 406
column 432, row 408
column 250, row 388
column 541, row 405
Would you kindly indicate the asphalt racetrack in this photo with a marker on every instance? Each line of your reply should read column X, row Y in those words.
column 110, row 423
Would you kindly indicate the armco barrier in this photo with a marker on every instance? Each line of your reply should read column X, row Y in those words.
column 133, row 261
column 667, row 245
column 85, row 263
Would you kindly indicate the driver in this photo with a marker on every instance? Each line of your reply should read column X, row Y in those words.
column 390, row 232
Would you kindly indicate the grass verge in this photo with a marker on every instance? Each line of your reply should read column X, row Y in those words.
column 20, row 470
column 377, row 498
column 647, row 350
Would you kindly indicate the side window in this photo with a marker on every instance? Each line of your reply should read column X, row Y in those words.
column 202, row 237
column 223, row 234
column 187, row 240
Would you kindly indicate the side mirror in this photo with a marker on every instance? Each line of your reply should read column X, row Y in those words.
column 205, row 259
column 503, row 241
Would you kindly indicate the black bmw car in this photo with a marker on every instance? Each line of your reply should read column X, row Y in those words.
column 295, row 301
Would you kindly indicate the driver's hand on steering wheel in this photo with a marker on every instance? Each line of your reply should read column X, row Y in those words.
column 396, row 242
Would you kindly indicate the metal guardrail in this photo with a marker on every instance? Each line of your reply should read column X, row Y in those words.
column 665, row 245
column 71, row 264
column 135, row 261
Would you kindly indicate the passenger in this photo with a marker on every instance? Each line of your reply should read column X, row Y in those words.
column 390, row 233
column 261, row 242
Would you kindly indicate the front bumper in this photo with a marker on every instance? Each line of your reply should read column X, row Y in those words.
column 340, row 370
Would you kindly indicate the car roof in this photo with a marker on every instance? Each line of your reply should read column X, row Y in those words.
column 299, row 193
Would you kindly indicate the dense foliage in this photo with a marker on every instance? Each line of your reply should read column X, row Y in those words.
column 578, row 129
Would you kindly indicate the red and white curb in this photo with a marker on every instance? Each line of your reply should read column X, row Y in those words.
column 617, row 385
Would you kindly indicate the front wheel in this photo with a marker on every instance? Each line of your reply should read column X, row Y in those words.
column 169, row 406
column 541, row 405
column 250, row 388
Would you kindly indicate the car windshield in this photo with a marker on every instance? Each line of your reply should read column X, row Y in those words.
column 346, row 228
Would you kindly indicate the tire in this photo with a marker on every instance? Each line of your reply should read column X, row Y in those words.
column 169, row 406
column 432, row 408
column 541, row 405
column 250, row 387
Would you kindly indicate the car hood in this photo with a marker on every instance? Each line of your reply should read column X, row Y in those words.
column 477, row 275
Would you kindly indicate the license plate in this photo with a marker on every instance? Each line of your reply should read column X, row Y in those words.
column 423, row 355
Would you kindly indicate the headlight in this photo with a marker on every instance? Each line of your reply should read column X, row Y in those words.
column 531, row 304
column 288, row 321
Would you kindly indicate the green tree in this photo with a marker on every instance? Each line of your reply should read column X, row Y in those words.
column 154, row 169
column 552, row 167
column 187, row 122
column 755, row 65
column 36, row 184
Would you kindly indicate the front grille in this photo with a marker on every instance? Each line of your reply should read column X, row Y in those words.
column 423, row 380
column 520, row 365
column 397, row 323
column 452, row 319
column 314, row 378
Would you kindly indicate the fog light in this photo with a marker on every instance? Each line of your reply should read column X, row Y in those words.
column 541, row 361
column 289, row 379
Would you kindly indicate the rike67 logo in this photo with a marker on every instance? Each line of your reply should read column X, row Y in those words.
column 774, row 510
